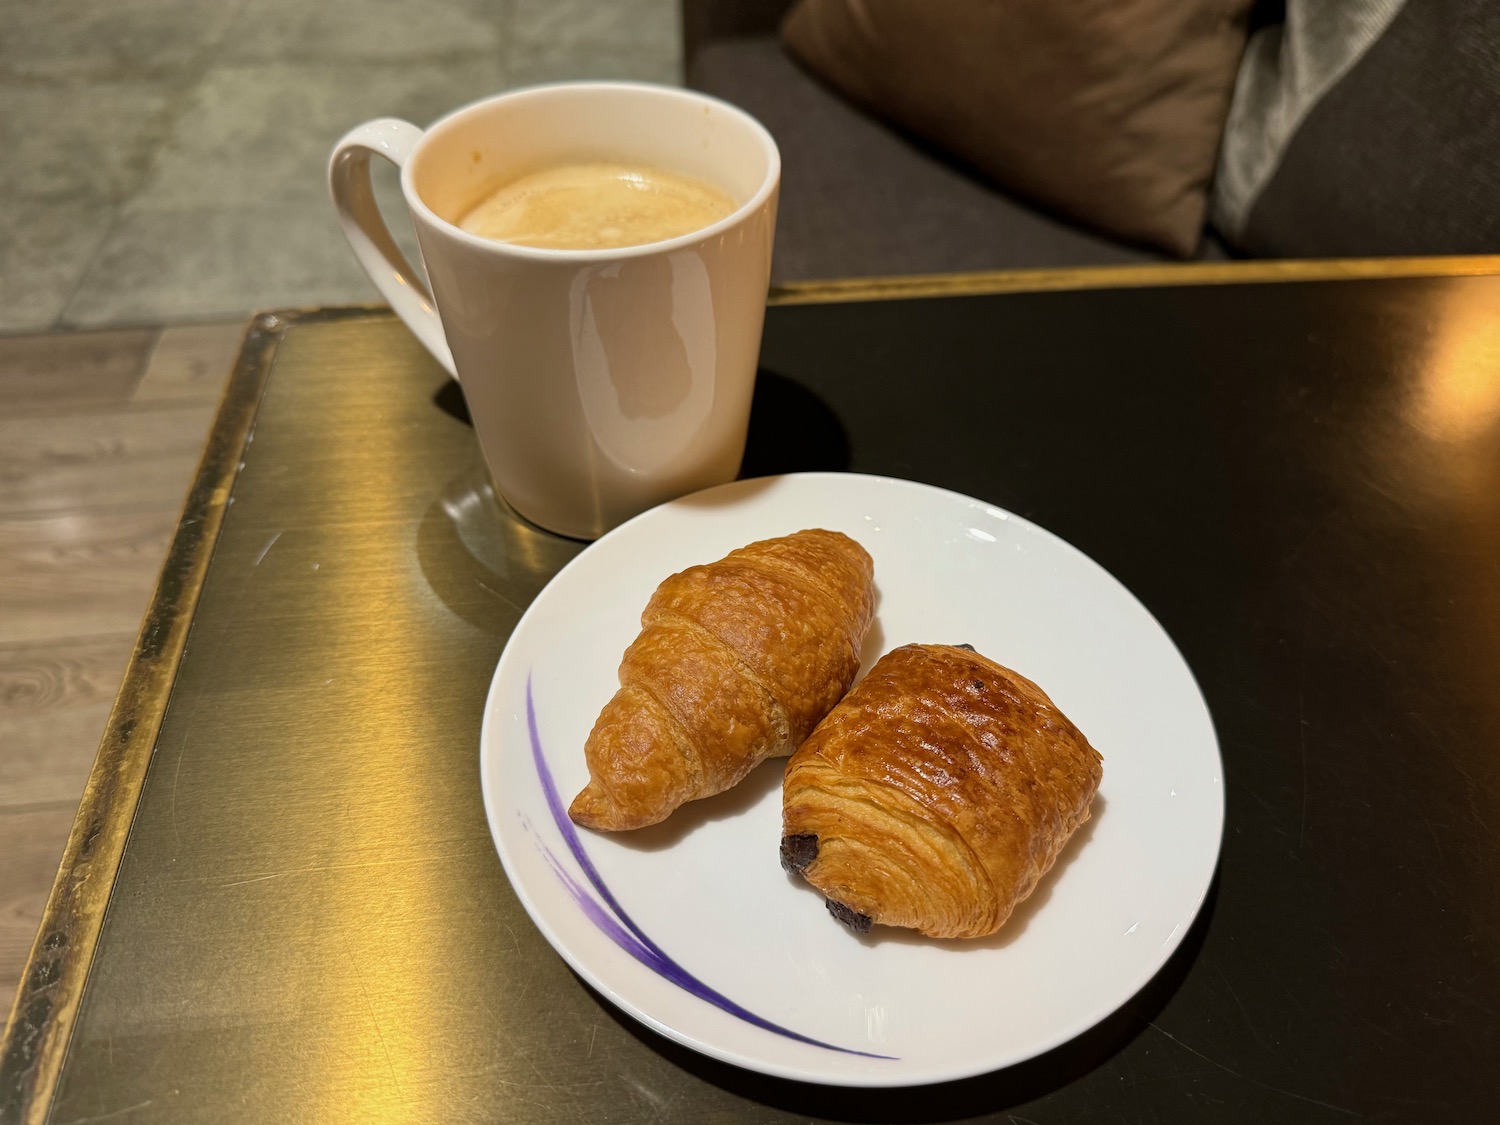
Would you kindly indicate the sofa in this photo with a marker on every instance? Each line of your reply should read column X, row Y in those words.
column 1325, row 120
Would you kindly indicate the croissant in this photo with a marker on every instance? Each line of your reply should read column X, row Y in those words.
column 737, row 661
column 936, row 794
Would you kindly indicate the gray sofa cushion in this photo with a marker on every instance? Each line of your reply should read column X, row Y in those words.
column 1366, row 127
column 860, row 200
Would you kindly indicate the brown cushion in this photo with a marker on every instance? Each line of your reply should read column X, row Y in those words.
column 859, row 199
column 1108, row 113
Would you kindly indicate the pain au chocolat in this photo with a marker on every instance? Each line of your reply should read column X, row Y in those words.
column 737, row 661
column 936, row 794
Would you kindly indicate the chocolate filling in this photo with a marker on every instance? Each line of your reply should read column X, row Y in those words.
column 798, row 851
column 859, row 923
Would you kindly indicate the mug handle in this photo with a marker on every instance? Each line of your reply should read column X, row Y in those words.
column 354, row 200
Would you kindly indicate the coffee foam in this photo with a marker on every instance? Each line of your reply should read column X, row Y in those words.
column 597, row 206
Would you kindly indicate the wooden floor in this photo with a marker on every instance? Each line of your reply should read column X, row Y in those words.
column 100, row 434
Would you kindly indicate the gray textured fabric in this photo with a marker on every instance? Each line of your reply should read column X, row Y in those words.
column 1401, row 155
column 709, row 21
column 859, row 200
column 1286, row 70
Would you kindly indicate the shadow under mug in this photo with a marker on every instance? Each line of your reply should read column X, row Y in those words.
column 600, row 382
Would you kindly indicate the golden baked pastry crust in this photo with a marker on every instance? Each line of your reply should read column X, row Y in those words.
column 737, row 661
column 936, row 794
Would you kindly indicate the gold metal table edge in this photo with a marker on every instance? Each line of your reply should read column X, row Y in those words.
column 1159, row 274
column 39, row 1027
column 40, row 1023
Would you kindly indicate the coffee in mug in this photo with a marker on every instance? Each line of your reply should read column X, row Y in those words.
column 607, row 353
column 597, row 206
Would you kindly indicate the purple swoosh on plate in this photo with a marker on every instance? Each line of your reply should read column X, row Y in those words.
column 621, row 928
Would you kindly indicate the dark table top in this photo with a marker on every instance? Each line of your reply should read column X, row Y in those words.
column 1300, row 479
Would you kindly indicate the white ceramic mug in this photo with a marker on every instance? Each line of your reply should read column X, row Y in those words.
column 600, row 382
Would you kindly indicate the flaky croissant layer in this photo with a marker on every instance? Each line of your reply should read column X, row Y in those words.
column 936, row 794
column 737, row 661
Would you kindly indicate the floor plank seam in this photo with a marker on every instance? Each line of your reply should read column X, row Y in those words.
column 31, row 807
column 16, row 647
column 34, row 515
column 104, row 409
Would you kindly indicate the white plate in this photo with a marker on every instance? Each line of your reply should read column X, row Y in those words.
column 692, row 927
